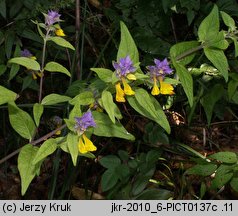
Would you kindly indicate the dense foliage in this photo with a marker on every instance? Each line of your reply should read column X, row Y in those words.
column 117, row 100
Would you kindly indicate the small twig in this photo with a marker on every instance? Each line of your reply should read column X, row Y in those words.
column 77, row 32
column 33, row 143
column 224, row 122
column 173, row 28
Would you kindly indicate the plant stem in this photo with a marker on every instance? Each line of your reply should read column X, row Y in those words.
column 45, row 137
column 189, row 52
column 43, row 64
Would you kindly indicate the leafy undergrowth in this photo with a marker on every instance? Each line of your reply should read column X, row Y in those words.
column 119, row 101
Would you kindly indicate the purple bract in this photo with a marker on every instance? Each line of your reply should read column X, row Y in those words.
column 52, row 17
column 82, row 123
column 161, row 68
column 124, row 66
column 26, row 53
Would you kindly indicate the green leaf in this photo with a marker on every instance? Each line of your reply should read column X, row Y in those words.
column 108, row 104
column 75, row 112
column 154, row 194
column 140, row 184
column 3, row 8
column 14, row 70
column 54, row 99
column 3, row 69
column 225, row 157
column 47, row 148
column 56, row 67
column 202, row 169
column 26, row 62
column 109, row 179
column 218, row 59
column 228, row 20
column 232, row 86
column 110, row 161
column 21, row 121
column 72, row 142
column 236, row 46
column 105, row 127
column 84, row 98
column 61, row 42
column 218, row 41
column 6, row 95
column 148, row 106
column 186, row 80
column 38, row 110
column 26, row 168
column 209, row 100
column 209, row 27
column 234, row 183
column 177, row 50
column 103, row 73
column 127, row 45
column 223, row 175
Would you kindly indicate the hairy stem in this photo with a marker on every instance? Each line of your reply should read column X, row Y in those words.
column 43, row 65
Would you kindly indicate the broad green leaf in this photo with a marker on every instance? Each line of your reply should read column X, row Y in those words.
column 209, row 100
column 26, row 62
column 26, row 168
column 109, row 179
column 62, row 42
column 232, row 86
column 46, row 149
column 84, row 98
column 236, row 46
column 179, row 50
column 222, row 176
column 139, row 184
column 186, row 80
column 6, row 95
column 52, row 99
column 127, row 45
column 153, row 193
column 72, row 143
column 3, row 8
column 103, row 73
column 148, row 106
column 14, row 70
column 21, row 121
column 228, row 20
column 108, row 104
column 38, row 110
column 110, row 161
column 3, row 69
column 209, row 27
column 202, row 169
column 105, row 127
column 218, row 59
column 234, row 183
column 218, row 41
column 56, row 67
column 75, row 112
column 225, row 157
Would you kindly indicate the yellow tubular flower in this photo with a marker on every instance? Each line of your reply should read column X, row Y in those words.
column 81, row 146
column 89, row 144
column 155, row 89
column 127, row 88
column 59, row 32
column 120, row 95
column 131, row 77
column 85, row 145
column 166, row 88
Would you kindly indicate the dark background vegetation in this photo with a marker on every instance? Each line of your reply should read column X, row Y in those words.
column 155, row 26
